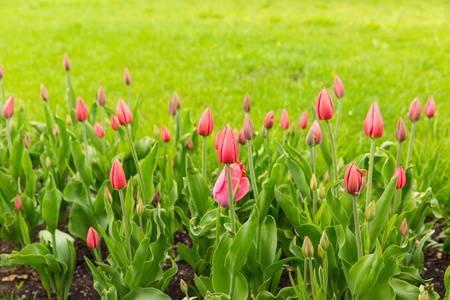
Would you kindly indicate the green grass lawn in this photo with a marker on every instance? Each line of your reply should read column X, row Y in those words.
column 213, row 52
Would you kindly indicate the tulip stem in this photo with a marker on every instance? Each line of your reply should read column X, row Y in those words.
column 218, row 225
column 284, row 136
column 314, row 192
column 268, row 149
column 305, row 268
column 399, row 154
column 369, row 179
column 116, row 141
column 180, row 130
column 55, row 252
column 311, row 276
column 83, row 129
column 426, row 142
column 325, row 278
column 141, row 227
column 71, row 101
column 299, row 144
column 103, row 116
column 3, row 90
column 252, row 169
column 313, row 164
column 8, row 136
column 333, row 152
column 357, row 227
column 125, row 223
column 231, row 200
column 338, row 121
column 129, row 96
column 204, row 158
column 395, row 202
column 410, row 149
column 136, row 162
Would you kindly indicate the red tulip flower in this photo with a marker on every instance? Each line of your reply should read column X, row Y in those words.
column 8, row 108
column 324, row 105
column 220, row 190
column 44, row 93
column 114, row 123
column 284, row 119
column 126, row 76
column 269, row 120
column 217, row 139
column 227, row 147
column 338, row 87
column 206, row 123
column 123, row 113
column 99, row 131
column 430, row 107
column 81, row 110
column 304, row 120
column 415, row 110
column 165, row 134
column 241, row 138
column 373, row 124
column 189, row 144
column 401, row 179
column 315, row 127
column 18, row 203
column 101, row 98
column 66, row 62
column 92, row 239
column 117, row 176
column 248, row 128
column 354, row 180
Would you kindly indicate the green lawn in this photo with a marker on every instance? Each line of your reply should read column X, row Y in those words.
column 213, row 52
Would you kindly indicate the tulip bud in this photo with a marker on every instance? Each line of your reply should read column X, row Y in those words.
column 320, row 252
column 284, row 119
column 218, row 138
column 415, row 110
column 81, row 110
column 404, row 227
column 400, row 131
column 117, row 176
column 140, row 207
column 165, row 134
column 424, row 296
column 313, row 182
column 66, row 62
column 401, row 179
column 55, row 130
column 248, row 128
column 21, row 105
column 304, row 120
column 2, row 71
column 172, row 108
column 369, row 214
column 44, row 93
column 26, row 140
column 310, row 138
column 292, row 130
column 176, row 100
column 269, row 120
column 237, row 133
column 241, row 138
column 322, row 192
column 92, row 239
column 156, row 132
column 68, row 120
column 324, row 105
column 123, row 113
column 189, row 144
column 317, row 132
column 307, row 248
column 114, row 123
column 99, row 131
column 158, row 197
column 430, row 107
column 247, row 105
column 48, row 162
column 18, row 203
column 126, row 76
column 183, row 287
column 373, row 124
column 108, row 195
column 227, row 147
column 338, row 87
column 8, row 108
column 101, row 98
column 326, row 177
column 324, row 241
column 206, row 123
column 341, row 164
column 354, row 179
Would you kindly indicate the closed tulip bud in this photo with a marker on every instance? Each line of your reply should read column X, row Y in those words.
column 156, row 132
column 373, row 124
column 165, row 134
column 183, row 287
column 8, row 108
column 227, row 147
column 247, row 106
column 241, row 138
column 338, row 87
column 430, row 107
column 326, row 177
column 400, row 131
column 206, row 123
column 66, row 62
column 322, row 192
column 123, row 113
column 99, row 131
column 354, row 179
column 236, row 133
column 172, row 108
column 341, row 164
column 424, row 296
column 2, row 71
column 44, row 93
column 320, row 252
column 307, row 248
column 292, row 130
column 284, row 119
column 18, row 203
column 369, row 214
column 26, row 140
column 140, row 208
column 324, row 241
column 248, row 128
column 92, row 239
column 126, row 76
column 304, row 120
column 69, row 120
column 404, row 227
column 158, row 197
column 189, row 144
column 81, row 110
column 21, row 105
column 324, row 105
column 117, row 176
column 218, row 138
column 114, row 123
column 317, row 132
column 310, row 138
column 176, row 100
column 415, row 110
column 313, row 182
column 401, row 179
column 55, row 130
column 101, row 97
column 48, row 162
column 269, row 120
column 108, row 195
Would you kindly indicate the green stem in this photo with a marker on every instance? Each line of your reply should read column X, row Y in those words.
column 55, row 252
column 395, row 202
column 103, row 117
column 268, row 149
column 97, row 254
column 369, row 179
column 252, row 169
column 125, row 223
column 8, row 135
column 141, row 227
column 410, row 149
column 231, row 200
column 129, row 97
column 3, row 90
column 305, row 268
column 284, row 136
column 338, row 121
column 88, row 198
column 204, row 158
column 116, row 141
column 313, row 164
column 311, row 276
column 357, row 227
column 299, row 145
column 325, row 277
column 180, row 130
column 83, row 129
column 136, row 162
column 218, row 225
column 399, row 155
column 314, row 192
column 426, row 142
column 333, row 152
column 71, row 102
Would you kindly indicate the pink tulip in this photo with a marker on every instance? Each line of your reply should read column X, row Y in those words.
column 44, row 93
column 18, row 203
column 354, row 179
column 324, row 105
column 401, row 179
column 81, row 110
column 189, row 144
column 400, row 131
column 123, row 113
column 338, row 87
column 415, row 110
column 2, row 71
column 66, row 62
column 117, row 176
column 126, row 76
column 8, row 109
column 430, row 107
column 99, row 131
column 206, row 123
column 217, row 139
column 284, row 119
column 172, row 107
column 241, row 138
column 317, row 132
column 165, row 134
column 114, row 123
column 92, row 239
column 373, row 124
column 404, row 227
column 304, row 120
column 247, row 105
column 220, row 190
column 227, row 147
column 248, row 128
column 101, row 98
column 176, row 100
column 269, row 120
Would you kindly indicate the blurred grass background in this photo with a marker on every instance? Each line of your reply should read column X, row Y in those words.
column 213, row 52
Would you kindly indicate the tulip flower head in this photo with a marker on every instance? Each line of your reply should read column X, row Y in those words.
column 123, row 113
column 430, row 107
column 217, row 139
column 157, row 198
column 401, row 179
column 92, row 239
column 369, row 214
column 241, row 138
column 114, row 123
column 126, row 76
column 26, row 140
column 314, row 135
column 354, row 180
column 176, row 100
column 81, row 110
column 55, row 130
column 101, row 97
column 269, row 120
column 189, row 144
column 2, row 71
column 400, row 131
column 44, row 93
column 238, row 179
column 18, row 203
column 324, row 105
column 373, row 124
column 404, row 227
column 338, row 87
column 236, row 133
column 99, row 131
column 415, row 110
column 248, row 128
column 117, row 176
column 227, row 147
column 304, row 120
column 66, row 62
column 284, row 119
column 247, row 105
column 307, row 248
column 206, row 123
column 108, row 195
column 140, row 208
column 172, row 108
column 165, row 134
column 8, row 108
column 324, row 241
